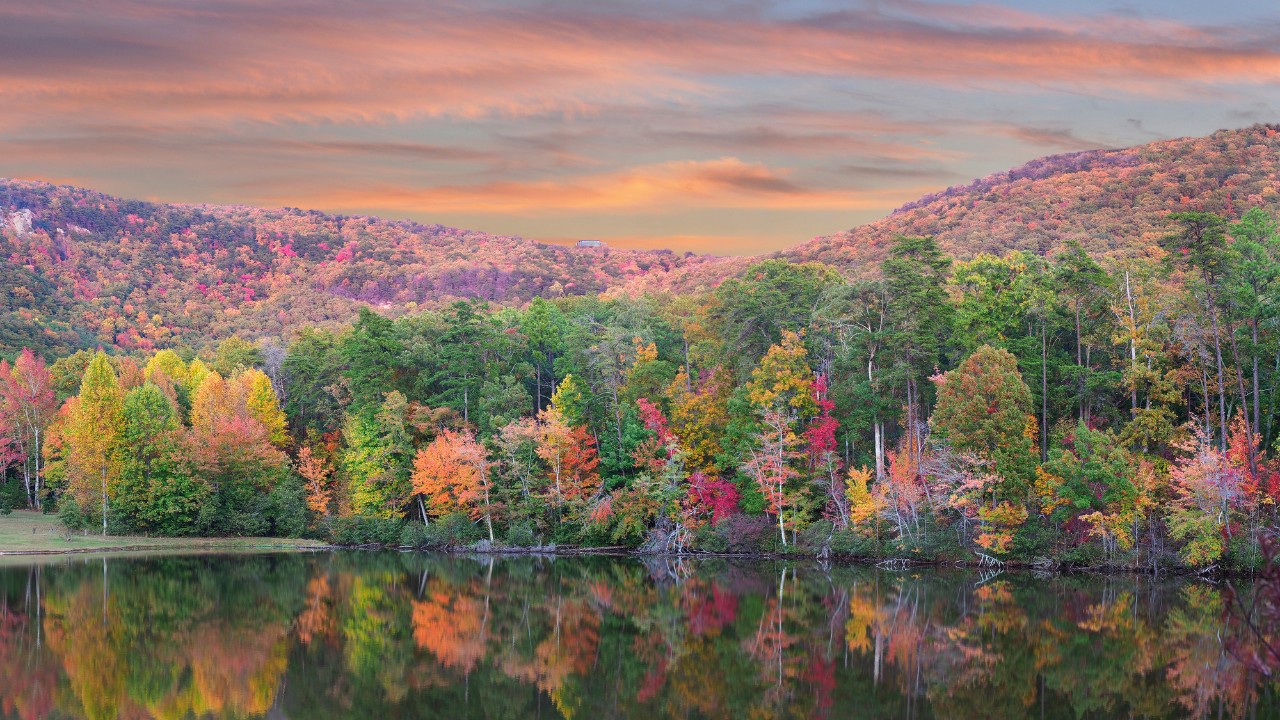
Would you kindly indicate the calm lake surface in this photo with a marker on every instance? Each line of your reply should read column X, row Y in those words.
column 388, row 635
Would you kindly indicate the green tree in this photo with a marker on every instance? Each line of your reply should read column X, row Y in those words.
column 984, row 407
column 544, row 325
column 155, row 491
column 459, row 359
column 235, row 355
column 372, row 354
column 379, row 458
column 317, row 392
column 1254, row 289
column 571, row 401
column 752, row 311
column 1198, row 246
column 916, row 275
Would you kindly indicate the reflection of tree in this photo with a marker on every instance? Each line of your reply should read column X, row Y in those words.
column 389, row 635
column 168, row 640
column 451, row 626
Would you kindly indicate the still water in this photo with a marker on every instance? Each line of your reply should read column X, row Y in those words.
column 387, row 635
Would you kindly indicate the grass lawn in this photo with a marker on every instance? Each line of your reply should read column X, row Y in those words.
column 26, row 532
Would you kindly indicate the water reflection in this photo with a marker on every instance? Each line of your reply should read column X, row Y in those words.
column 387, row 635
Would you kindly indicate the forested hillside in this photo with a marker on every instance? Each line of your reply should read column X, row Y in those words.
column 1112, row 202
column 82, row 269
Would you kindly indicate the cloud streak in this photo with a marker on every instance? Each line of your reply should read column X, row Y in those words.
column 335, row 62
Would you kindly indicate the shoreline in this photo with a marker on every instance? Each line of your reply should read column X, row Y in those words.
column 229, row 544
column 889, row 563
column 214, row 545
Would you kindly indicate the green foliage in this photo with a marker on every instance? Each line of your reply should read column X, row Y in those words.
column 985, row 407
column 156, row 492
column 359, row 531
column 1091, row 471
column 379, row 457
column 234, row 355
column 752, row 310
column 286, row 509
column 521, row 534
column 70, row 515
column 454, row 530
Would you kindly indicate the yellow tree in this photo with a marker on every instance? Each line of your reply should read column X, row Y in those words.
column 263, row 404
column 94, row 435
column 699, row 415
column 781, row 391
column 168, row 363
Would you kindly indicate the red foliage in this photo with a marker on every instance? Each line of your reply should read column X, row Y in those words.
column 713, row 496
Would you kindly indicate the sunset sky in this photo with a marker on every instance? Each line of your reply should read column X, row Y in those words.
column 733, row 127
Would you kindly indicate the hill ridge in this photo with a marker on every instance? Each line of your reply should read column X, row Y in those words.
column 1112, row 201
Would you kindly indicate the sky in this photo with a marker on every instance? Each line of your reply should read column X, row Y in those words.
column 710, row 126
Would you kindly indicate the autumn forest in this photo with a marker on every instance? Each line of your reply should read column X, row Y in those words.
column 1054, row 411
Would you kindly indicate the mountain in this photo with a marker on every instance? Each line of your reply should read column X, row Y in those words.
column 83, row 268
column 1113, row 202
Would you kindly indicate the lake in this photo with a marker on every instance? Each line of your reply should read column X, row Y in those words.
column 390, row 635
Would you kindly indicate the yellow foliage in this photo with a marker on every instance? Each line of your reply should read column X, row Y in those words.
column 783, row 377
column 865, row 506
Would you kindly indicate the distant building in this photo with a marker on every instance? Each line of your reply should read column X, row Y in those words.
column 590, row 244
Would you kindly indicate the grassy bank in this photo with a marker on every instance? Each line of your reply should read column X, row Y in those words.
column 29, row 533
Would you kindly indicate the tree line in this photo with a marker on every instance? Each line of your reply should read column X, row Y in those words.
column 1046, row 409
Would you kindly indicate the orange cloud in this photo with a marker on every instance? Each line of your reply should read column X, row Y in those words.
column 723, row 183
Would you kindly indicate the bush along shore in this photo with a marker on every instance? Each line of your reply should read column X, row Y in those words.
column 752, row 537
column 1057, row 410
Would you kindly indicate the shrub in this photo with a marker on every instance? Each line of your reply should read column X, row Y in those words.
column 453, row 530
column 521, row 535
column 413, row 535
column 850, row 543
column 740, row 534
column 12, row 496
column 816, row 537
column 1034, row 540
column 1083, row 556
column 365, row 531
column 1243, row 555
column 70, row 515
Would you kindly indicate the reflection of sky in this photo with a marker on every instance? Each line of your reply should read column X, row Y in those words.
column 732, row 127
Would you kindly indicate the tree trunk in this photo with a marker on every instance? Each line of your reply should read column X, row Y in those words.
column 1257, row 419
column 877, row 426
column 104, row 498
column 782, row 528
column 1244, row 406
column 1133, row 344
column 1222, row 381
column 1044, row 391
